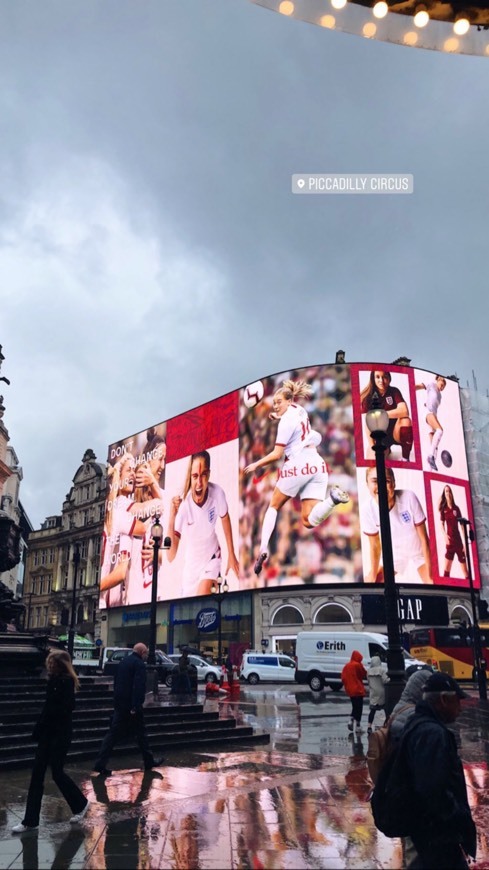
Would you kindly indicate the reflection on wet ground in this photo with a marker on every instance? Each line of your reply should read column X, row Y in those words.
column 256, row 808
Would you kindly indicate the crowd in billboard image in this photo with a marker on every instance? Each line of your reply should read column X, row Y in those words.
column 296, row 450
column 275, row 485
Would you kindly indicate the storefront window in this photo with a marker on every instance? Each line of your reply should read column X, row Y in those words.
column 235, row 630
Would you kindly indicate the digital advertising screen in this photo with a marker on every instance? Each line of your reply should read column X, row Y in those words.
column 275, row 484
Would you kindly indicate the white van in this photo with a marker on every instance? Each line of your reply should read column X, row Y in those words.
column 322, row 655
column 275, row 667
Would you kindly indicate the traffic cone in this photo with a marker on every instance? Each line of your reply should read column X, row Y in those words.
column 224, row 680
column 235, row 683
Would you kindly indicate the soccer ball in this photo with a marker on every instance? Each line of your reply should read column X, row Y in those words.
column 446, row 458
column 253, row 393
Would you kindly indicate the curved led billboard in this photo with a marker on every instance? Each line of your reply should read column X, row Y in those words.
column 275, row 484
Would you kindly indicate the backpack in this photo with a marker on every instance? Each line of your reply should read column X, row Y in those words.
column 392, row 801
column 380, row 746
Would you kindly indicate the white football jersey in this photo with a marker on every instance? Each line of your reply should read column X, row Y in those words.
column 198, row 527
column 294, row 431
column 406, row 514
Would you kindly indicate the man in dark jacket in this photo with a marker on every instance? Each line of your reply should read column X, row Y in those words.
column 443, row 831
column 128, row 716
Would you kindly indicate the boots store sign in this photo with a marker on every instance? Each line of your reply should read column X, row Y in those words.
column 418, row 609
column 207, row 620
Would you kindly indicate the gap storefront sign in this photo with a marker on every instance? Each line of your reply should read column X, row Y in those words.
column 417, row 609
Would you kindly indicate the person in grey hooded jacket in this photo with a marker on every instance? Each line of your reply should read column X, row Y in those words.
column 404, row 709
column 377, row 678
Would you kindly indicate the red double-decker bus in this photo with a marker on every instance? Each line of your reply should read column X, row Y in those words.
column 449, row 649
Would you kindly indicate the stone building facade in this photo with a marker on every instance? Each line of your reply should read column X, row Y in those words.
column 50, row 572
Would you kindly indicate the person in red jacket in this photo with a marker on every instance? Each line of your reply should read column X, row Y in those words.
column 352, row 677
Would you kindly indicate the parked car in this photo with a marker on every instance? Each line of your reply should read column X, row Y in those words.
column 275, row 667
column 205, row 671
column 112, row 656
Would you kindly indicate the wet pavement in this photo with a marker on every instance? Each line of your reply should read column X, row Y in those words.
column 299, row 803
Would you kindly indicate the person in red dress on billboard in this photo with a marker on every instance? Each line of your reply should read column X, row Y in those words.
column 390, row 399
column 449, row 516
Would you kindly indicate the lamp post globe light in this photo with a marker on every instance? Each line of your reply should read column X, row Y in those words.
column 479, row 663
column 451, row 26
column 157, row 535
column 378, row 423
column 71, row 630
column 219, row 589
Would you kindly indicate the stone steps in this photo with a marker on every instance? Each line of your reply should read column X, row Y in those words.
column 169, row 725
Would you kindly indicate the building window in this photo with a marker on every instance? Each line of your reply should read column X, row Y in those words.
column 38, row 617
column 45, row 615
column 288, row 615
column 36, row 558
column 461, row 614
column 49, row 585
column 80, row 614
column 84, row 549
column 41, row 585
column 65, row 616
column 51, row 555
column 332, row 613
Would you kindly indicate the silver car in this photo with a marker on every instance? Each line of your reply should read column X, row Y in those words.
column 205, row 672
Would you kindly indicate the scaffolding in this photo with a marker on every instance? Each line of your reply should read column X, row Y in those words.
column 475, row 413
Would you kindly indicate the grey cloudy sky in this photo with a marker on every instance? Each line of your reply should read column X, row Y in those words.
column 152, row 256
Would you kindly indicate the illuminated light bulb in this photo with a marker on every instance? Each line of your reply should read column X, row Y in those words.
column 328, row 21
column 450, row 44
column 421, row 16
column 369, row 29
column 410, row 38
column 338, row 4
column 487, row 49
column 286, row 7
column 461, row 25
column 380, row 9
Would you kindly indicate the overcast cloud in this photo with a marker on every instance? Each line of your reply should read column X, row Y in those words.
column 152, row 256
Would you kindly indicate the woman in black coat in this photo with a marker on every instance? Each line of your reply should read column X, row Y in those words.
column 53, row 732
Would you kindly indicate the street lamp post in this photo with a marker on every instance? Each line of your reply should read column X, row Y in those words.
column 28, row 626
column 156, row 534
column 479, row 663
column 378, row 423
column 216, row 590
column 71, row 631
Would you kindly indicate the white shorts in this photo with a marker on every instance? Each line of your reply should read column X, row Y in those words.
column 210, row 571
column 400, row 565
column 304, row 475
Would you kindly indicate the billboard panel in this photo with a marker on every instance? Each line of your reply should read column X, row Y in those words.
column 275, row 485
